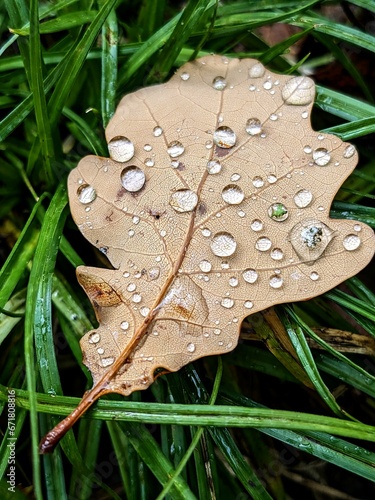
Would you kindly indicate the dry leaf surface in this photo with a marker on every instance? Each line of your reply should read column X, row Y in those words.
column 214, row 205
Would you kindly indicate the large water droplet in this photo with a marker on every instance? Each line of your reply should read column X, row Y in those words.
column 224, row 137
column 278, row 212
column 175, row 148
column 298, row 91
column 349, row 151
column 321, row 157
column 257, row 70
column 276, row 281
column 157, row 131
column 183, row 200
column 256, row 225
column 223, row 244
column 121, row 149
column 213, row 167
column 205, row 266
column 263, row 244
column 227, row 303
column 86, row 194
column 303, row 198
column 94, row 338
column 250, row 275
column 133, row 178
column 219, row 83
column 351, row 242
column 310, row 238
column 232, row 194
column 253, row 126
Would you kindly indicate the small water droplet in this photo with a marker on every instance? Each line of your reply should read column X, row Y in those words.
column 263, row 244
column 219, row 83
column 213, row 167
column 217, row 331
column 144, row 311
column 357, row 227
column 256, row 225
column 276, row 281
column 227, row 303
column 310, row 238
column 131, row 233
column 124, row 325
column 183, row 200
column 157, row 131
column 305, row 114
column 191, row 347
column 232, row 194
column 258, row 182
column 314, row 276
column 250, row 275
column 175, row 148
column 209, row 144
column 303, row 198
column 185, row 76
column 321, row 157
column 223, row 244
column 235, row 177
column 273, row 117
column 149, row 162
column 135, row 219
column 131, row 287
column 107, row 362
column 241, row 214
column 278, row 212
column 224, row 137
column 298, row 91
column 136, row 298
column 100, row 350
column 277, row 254
column 307, row 149
column 206, row 232
column 267, row 85
column 147, row 147
column 271, row 179
column 86, row 194
column 133, row 178
column 248, row 304
column 349, row 151
column 257, row 70
column 205, row 266
column 351, row 242
column 253, row 126
column 233, row 281
column 121, row 149
column 94, row 338
column 252, row 88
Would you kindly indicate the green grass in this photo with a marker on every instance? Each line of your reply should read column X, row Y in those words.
column 242, row 426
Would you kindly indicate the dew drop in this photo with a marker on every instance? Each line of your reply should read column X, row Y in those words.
column 253, row 126
column 223, row 244
column 131, row 287
column 298, row 91
column 276, row 281
column 185, row 76
column 213, row 167
column 278, row 212
column 191, row 347
column 144, row 311
column 257, row 70
column 303, row 198
column 248, row 304
column 205, row 266
column 273, row 117
column 227, row 303
column 206, row 232
column 310, row 238
column 256, row 225
column 209, row 144
column 121, row 149
column 232, row 194
column 307, row 149
column 147, row 147
column 321, row 157
column 219, row 83
column 224, row 137
column 263, row 244
column 250, row 275
column 351, row 242
column 94, row 338
column 357, row 227
column 107, row 362
column 124, row 325
column 133, row 178
column 183, row 200
column 314, row 276
column 233, row 281
column 305, row 114
column 175, row 148
column 258, row 182
column 235, row 177
column 149, row 162
column 100, row 350
column 349, row 151
column 136, row 298
column 267, row 85
column 157, row 131
column 86, row 194
column 277, row 254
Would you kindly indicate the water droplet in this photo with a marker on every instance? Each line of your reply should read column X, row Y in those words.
column 191, row 347
column 217, row 331
column 107, row 362
column 252, row 88
column 253, row 126
column 277, row 254
column 278, row 212
column 147, row 147
column 206, row 232
column 213, row 167
column 267, row 85
column 321, row 157
column 86, row 193
column 305, row 114
column 183, row 200
column 185, row 76
column 94, row 338
column 258, row 182
column 175, row 148
column 271, row 179
column 241, row 214
column 357, row 227
column 133, row 178
column 233, row 281
column 124, row 325
column 232, row 194
column 157, row 131
column 276, row 281
column 351, row 242
column 263, row 244
column 205, row 266
column 250, row 275
column 314, row 276
column 224, row 137
column 100, row 350
column 256, row 225
column 273, row 117
column 349, row 151
column 310, row 238
column 235, row 177
column 209, row 144
column 303, row 198
column 131, row 287
column 219, row 83
column 121, row 149
column 149, row 162
column 248, row 304
column 307, row 149
column 257, row 70
column 223, row 244
column 136, row 298
column 227, row 303
column 298, row 91
column 144, row 311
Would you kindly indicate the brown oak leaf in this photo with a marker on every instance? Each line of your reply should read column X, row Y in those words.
column 213, row 205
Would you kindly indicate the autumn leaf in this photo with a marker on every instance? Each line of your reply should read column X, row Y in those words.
column 213, row 205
